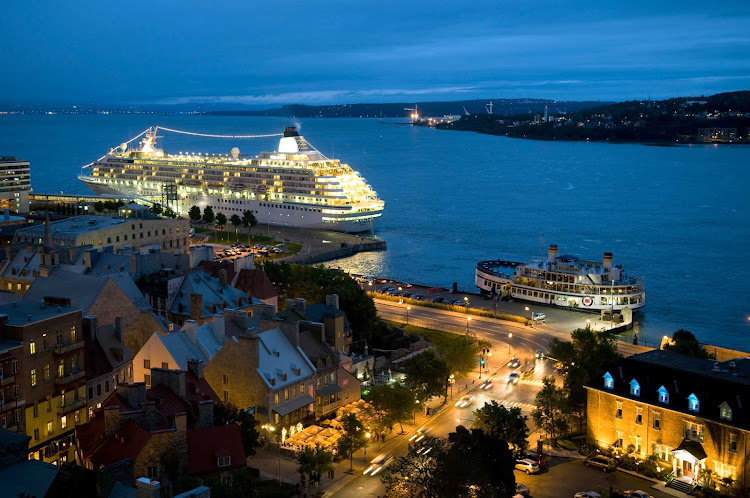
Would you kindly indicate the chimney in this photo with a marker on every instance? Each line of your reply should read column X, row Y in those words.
column 89, row 258
column 180, row 422
column 90, row 326
column 552, row 254
column 135, row 394
column 173, row 379
column 332, row 300
column 301, row 306
column 196, row 368
column 147, row 488
column 607, row 261
column 151, row 417
column 218, row 327
column 111, row 419
column 206, row 413
column 118, row 328
column 290, row 329
column 191, row 330
column 223, row 277
column 196, row 306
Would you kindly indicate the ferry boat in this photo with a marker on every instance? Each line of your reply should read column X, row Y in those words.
column 564, row 281
column 293, row 186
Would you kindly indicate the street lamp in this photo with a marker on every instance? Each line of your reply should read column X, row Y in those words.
column 408, row 308
column 531, row 315
column 400, row 297
column 466, row 303
column 468, row 320
column 367, row 443
column 451, row 381
column 510, row 339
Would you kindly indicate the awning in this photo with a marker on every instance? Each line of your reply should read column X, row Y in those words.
column 293, row 404
column 693, row 448
column 328, row 390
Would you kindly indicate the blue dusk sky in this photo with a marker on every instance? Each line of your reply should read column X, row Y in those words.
column 250, row 52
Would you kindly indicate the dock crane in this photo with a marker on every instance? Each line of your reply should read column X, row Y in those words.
column 466, row 112
column 414, row 112
column 488, row 107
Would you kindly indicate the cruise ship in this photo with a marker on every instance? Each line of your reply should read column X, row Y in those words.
column 294, row 186
column 564, row 281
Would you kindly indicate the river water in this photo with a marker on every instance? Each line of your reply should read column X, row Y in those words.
column 679, row 216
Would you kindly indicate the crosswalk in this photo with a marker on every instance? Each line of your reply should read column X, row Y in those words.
column 532, row 382
column 512, row 404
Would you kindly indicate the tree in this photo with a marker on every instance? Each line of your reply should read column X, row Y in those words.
column 221, row 219
column 318, row 460
column 413, row 475
column 684, row 342
column 235, row 220
column 227, row 413
column 459, row 356
column 497, row 421
column 156, row 208
column 195, row 213
column 98, row 206
column 208, row 214
column 549, row 413
column 169, row 213
column 393, row 403
column 353, row 438
column 425, row 375
column 249, row 219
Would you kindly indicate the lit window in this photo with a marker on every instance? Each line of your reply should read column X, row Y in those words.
column 618, row 413
column 733, row 443
column 635, row 388
column 63, row 422
column 609, row 382
column 32, row 346
column 639, row 415
column 146, row 363
column 663, row 395
column 657, row 421
column 693, row 403
column 33, row 377
column 725, row 411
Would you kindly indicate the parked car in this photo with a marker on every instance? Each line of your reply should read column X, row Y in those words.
column 522, row 490
column 637, row 494
column 587, row 494
column 539, row 316
column 537, row 458
column 602, row 462
column 418, row 297
column 527, row 466
column 439, row 299
column 514, row 363
column 513, row 378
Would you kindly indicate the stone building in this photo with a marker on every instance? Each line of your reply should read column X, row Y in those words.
column 199, row 296
column 11, row 400
column 691, row 413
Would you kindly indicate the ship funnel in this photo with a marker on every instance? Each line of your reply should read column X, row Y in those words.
column 552, row 255
column 291, row 131
column 607, row 261
column 235, row 152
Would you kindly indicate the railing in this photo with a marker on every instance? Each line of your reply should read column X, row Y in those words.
column 69, row 407
column 8, row 379
column 9, row 405
column 66, row 348
column 70, row 377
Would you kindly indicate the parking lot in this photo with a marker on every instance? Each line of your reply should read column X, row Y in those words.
column 237, row 250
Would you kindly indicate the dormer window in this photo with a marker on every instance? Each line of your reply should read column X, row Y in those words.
column 725, row 411
column 635, row 388
column 609, row 382
column 693, row 403
column 663, row 395
column 224, row 461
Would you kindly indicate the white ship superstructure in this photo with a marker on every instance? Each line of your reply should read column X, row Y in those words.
column 294, row 186
column 565, row 281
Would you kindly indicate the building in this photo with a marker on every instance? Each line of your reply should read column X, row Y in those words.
column 257, row 284
column 215, row 452
column 15, row 184
column 198, row 296
column 337, row 329
column 101, row 231
column 53, row 379
column 109, row 362
column 691, row 413
column 20, row 476
column 11, row 400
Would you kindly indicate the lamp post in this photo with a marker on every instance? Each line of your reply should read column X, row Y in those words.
column 466, row 303
column 367, row 443
column 588, row 324
column 451, row 381
column 400, row 297
column 468, row 320
column 531, row 315
column 510, row 338
column 408, row 308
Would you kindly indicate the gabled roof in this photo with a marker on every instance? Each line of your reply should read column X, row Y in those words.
column 206, row 445
column 127, row 442
column 212, row 268
column 318, row 311
column 280, row 363
column 256, row 283
column 181, row 348
column 108, row 263
column 215, row 296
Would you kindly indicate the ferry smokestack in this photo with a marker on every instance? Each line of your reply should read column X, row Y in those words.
column 552, row 255
column 291, row 131
column 607, row 261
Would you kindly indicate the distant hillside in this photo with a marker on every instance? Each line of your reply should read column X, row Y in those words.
column 436, row 109
column 720, row 118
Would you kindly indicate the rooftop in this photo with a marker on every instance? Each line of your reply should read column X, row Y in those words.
column 280, row 363
column 23, row 313
column 215, row 296
column 74, row 226
column 206, row 445
column 256, row 283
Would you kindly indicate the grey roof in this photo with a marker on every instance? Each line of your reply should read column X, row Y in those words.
column 182, row 349
column 7, row 345
column 215, row 296
column 318, row 311
column 27, row 478
column 280, row 360
column 329, row 390
column 119, row 490
column 314, row 348
column 293, row 404
column 107, row 339
column 23, row 260
column 27, row 312
column 108, row 263
column 74, row 226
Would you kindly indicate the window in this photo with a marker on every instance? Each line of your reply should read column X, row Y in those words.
column 693, row 403
column 32, row 346
column 63, row 422
column 36, row 409
column 225, row 378
column 91, row 393
column 286, row 394
column 152, row 471
column 224, row 461
column 638, row 447
column 657, row 421
column 33, row 377
column 72, row 333
column 61, row 369
column 45, row 342
column 639, row 415
column 635, row 388
column 725, row 412
column 609, row 382
column 165, row 365
column 146, row 364
column 76, row 416
column 693, row 431
column 49, row 427
column 733, row 443
column 46, row 371
column 663, row 395
column 618, row 441
column 36, row 434
column 723, row 470
column 662, row 452
column 106, row 386
column 98, row 389
column 14, row 366
column 276, row 398
column 147, row 380
column 226, row 396
column 302, row 389
column 618, row 413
